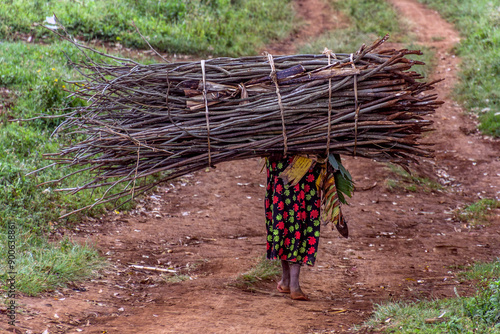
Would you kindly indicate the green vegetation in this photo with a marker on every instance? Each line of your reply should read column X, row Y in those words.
column 478, row 212
column 264, row 270
column 482, row 271
column 477, row 314
column 42, row 266
column 218, row 27
column 175, row 278
column 479, row 88
column 35, row 76
column 410, row 182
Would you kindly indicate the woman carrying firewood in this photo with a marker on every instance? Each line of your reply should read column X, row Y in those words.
column 298, row 188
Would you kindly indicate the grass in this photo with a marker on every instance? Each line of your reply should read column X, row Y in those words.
column 42, row 266
column 35, row 76
column 479, row 87
column 264, row 270
column 477, row 314
column 482, row 271
column 175, row 278
column 402, row 180
column 218, row 27
column 477, row 213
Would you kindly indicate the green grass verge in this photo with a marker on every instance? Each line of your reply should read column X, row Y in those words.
column 35, row 76
column 218, row 27
column 402, row 180
column 479, row 88
column 264, row 270
column 482, row 271
column 477, row 213
column 42, row 266
column 477, row 314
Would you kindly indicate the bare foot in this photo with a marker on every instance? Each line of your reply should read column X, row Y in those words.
column 282, row 288
column 298, row 295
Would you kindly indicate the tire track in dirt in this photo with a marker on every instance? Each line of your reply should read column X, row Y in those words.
column 209, row 227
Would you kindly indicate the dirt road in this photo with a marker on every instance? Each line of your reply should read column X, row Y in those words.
column 210, row 227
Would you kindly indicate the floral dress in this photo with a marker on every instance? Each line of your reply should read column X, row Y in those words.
column 292, row 214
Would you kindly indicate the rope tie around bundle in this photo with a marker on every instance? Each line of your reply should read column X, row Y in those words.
column 202, row 63
column 356, row 106
column 282, row 110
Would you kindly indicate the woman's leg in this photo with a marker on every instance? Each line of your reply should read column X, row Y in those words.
column 284, row 284
column 296, row 292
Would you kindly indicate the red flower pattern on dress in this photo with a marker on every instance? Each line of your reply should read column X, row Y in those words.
column 312, row 241
column 275, row 199
column 301, row 195
column 294, row 211
column 303, row 215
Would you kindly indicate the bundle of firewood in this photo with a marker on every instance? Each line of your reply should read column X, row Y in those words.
column 184, row 116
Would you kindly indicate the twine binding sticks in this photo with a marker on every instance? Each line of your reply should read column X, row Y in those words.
column 329, row 53
column 356, row 106
column 202, row 63
column 274, row 78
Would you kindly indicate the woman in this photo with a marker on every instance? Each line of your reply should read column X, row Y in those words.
column 293, row 205
column 293, row 222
